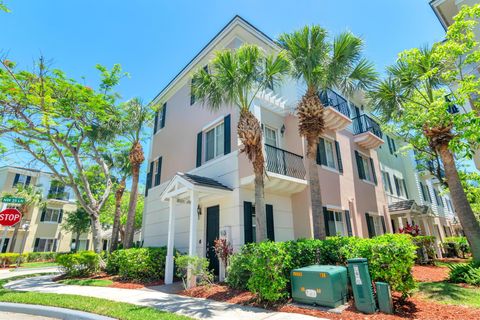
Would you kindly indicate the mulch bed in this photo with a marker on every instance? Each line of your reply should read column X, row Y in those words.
column 117, row 281
column 413, row 308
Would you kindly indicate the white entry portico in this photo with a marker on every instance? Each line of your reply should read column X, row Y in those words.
column 188, row 189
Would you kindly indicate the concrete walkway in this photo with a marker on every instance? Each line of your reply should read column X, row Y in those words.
column 158, row 298
column 10, row 273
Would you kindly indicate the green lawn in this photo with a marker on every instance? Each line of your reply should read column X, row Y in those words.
column 38, row 264
column 88, row 282
column 118, row 310
column 450, row 293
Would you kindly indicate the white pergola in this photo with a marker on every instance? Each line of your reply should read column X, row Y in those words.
column 187, row 189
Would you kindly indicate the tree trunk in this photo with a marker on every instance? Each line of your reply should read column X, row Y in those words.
column 318, row 220
column 14, row 237
column 122, row 232
column 260, row 215
column 77, row 242
column 118, row 214
column 469, row 223
column 96, row 233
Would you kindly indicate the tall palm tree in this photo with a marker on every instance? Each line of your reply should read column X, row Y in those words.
column 413, row 96
column 234, row 77
column 137, row 115
column 323, row 65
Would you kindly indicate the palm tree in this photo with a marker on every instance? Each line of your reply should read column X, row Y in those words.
column 136, row 117
column 413, row 96
column 323, row 65
column 33, row 197
column 77, row 222
column 234, row 77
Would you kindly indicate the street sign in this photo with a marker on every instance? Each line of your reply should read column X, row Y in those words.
column 10, row 217
column 9, row 199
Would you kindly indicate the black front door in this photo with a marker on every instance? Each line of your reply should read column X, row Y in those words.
column 213, row 232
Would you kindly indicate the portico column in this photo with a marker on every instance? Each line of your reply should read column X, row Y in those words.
column 426, row 226
column 170, row 243
column 192, row 243
column 400, row 223
column 409, row 218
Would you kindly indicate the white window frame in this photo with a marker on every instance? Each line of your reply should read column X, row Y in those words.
column 275, row 133
column 331, row 167
column 216, row 150
column 49, row 212
column 338, row 222
column 367, row 168
column 386, row 185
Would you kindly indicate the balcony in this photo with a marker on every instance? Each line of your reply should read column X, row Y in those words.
column 367, row 131
column 430, row 168
column 285, row 172
column 54, row 195
column 337, row 112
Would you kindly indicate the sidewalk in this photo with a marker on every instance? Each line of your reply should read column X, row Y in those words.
column 10, row 273
column 158, row 298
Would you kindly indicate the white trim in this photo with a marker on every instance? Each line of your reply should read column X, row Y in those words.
column 213, row 123
column 212, row 161
column 369, row 182
column 334, row 170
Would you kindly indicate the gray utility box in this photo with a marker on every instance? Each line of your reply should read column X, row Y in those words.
column 320, row 285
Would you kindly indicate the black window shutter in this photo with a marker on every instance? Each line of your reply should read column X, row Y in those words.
column 382, row 218
column 405, row 187
column 394, row 147
column 361, row 170
column 155, row 122
column 349, row 223
column 15, row 180
column 373, row 171
column 321, row 156
column 44, row 212
column 54, row 249
column 389, row 145
column 389, row 183
column 270, row 223
column 159, row 172
column 27, row 182
column 60, row 216
column 164, row 113
column 199, row 149
column 339, row 157
column 247, row 221
column 325, row 218
column 370, row 226
column 227, row 135
column 35, row 247
column 149, row 178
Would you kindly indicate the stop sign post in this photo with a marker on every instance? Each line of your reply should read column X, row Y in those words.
column 8, row 218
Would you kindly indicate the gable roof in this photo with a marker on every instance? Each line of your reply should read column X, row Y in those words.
column 203, row 181
column 236, row 20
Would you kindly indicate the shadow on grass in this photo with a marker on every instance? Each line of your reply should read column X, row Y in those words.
column 451, row 293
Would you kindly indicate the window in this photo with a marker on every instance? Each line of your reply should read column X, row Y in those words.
column 82, row 244
column 449, row 205
column 214, row 142
column 270, row 136
column 328, row 154
column 57, row 191
column 425, row 192
column 51, row 215
column 438, row 198
column 375, row 225
column 391, row 145
column 45, row 245
column 387, row 184
column 334, row 223
column 21, row 179
column 157, row 171
column 366, row 169
column 400, row 186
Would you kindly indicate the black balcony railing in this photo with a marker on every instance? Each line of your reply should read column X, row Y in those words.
column 284, row 162
column 431, row 166
column 364, row 123
column 330, row 98
column 452, row 107
column 65, row 196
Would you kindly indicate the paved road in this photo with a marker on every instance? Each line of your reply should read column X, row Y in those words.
column 193, row 307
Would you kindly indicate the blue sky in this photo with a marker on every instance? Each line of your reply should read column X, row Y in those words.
column 154, row 39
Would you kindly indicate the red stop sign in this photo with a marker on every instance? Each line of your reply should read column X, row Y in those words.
column 9, row 217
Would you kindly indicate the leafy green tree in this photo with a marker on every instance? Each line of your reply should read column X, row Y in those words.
column 136, row 116
column 77, row 222
column 234, row 78
column 323, row 65
column 3, row 7
column 33, row 197
column 64, row 125
column 413, row 98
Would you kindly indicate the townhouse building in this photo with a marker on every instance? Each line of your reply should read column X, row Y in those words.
column 40, row 229
column 200, row 187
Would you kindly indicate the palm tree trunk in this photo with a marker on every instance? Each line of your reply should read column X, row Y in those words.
column 260, row 214
column 470, row 225
column 14, row 237
column 77, row 242
column 315, row 196
column 118, row 214
column 96, row 233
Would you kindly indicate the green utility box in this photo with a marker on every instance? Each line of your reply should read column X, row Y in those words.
column 320, row 285
column 361, row 285
column 384, row 297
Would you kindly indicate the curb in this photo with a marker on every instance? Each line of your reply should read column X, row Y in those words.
column 50, row 312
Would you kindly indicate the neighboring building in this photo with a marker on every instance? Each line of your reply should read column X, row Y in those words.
column 200, row 187
column 45, row 232
column 415, row 197
column 445, row 10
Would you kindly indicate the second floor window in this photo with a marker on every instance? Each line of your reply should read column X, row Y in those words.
column 214, row 142
column 21, row 179
column 365, row 166
column 270, row 136
column 387, row 184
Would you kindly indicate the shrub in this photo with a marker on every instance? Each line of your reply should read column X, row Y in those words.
column 138, row 264
column 237, row 270
column 81, row 264
column 9, row 258
column 198, row 268
column 425, row 249
column 465, row 273
column 456, row 246
column 40, row 256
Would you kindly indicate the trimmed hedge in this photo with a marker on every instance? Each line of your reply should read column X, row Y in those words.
column 82, row 264
column 9, row 258
column 40, row 256
column 264, row 268
column 138, row 264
